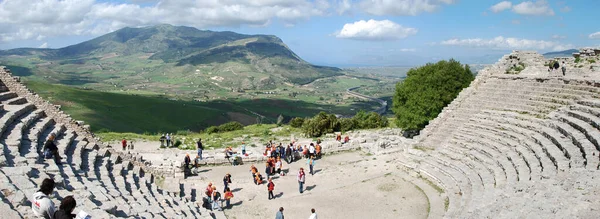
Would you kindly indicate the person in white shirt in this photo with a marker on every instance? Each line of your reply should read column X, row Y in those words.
column 41, row 205
column 313, row 215
column 311, row 150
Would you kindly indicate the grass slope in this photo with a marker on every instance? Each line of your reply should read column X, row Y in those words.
column 136, row 113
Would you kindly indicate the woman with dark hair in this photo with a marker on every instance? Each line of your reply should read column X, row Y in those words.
column 66, row 208
column 41, row 204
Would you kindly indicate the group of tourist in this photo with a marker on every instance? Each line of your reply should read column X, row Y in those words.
column 554, row 65
column 279, row 215
column 43, row 207
column 125, row 145
column 166, row 139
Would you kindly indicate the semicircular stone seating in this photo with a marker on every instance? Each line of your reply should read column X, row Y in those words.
column 515, row 146
column 105, row 182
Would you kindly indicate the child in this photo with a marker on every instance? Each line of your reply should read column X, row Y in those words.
column 228, row 197
column 311, row 164
column 278, row 166
column 271, row 187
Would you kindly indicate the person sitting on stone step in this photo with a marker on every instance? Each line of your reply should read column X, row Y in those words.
column 66, row 208
column 41, row 205
column 51, row 148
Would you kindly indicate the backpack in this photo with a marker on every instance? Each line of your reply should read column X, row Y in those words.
column 47, row 153
column 218, row 196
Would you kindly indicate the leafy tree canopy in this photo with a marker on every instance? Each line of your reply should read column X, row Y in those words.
column 427, row 90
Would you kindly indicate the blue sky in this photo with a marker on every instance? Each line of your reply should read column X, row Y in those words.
column 331, row 32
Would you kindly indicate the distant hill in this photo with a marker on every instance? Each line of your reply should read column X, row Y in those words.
column 565, row 53
column 167, row 58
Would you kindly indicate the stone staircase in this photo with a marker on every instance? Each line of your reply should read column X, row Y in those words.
column 515, row 146
column 105, row 183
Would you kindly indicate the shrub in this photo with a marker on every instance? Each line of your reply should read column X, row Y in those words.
column 212, row 129
column 297, row 122
column 577, row 60
column 177, row 143
column 183, row 132
column 231, row 126
column 427, row 90
column 347, row 124
column 320, row 124
column 364, row 120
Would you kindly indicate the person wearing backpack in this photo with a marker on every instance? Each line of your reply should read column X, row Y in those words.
column 66, row 208
column 216, row 198
column 41, row 205
column 271, row 187
column 226, row 181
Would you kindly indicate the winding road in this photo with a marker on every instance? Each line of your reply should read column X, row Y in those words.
column 381, row 110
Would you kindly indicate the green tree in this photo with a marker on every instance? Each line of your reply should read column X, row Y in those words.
column 427, row 90
column 296, row 122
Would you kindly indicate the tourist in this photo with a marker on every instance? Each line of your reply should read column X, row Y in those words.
column 243, row 148
column 51, row 150
column 271, row 187
column 41, row 204
column 318, row 150
column 66, row 208
column 346, row 139
column 124, row 144
column 311, row 150
column 563, row 68
column 228, row 197
column 338, row 137
column 279, row 214
column 162, row 140
column 311, row 164
column 168, row 138
column 187, row 162
column 305, row 152
column 216, row 198
column 253, row 170
column 313, row 215
column 200, row 148
column 196, row 165
column 226, row 181
column 281, row 151
column 258, row 178
column 209, row 190
column 301, row 180
column 278, row 165
column 556, row 65
column 288, row 154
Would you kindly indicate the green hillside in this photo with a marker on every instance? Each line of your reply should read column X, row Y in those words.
column 166, row 59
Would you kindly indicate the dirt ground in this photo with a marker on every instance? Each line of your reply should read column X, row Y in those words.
column 347, row 185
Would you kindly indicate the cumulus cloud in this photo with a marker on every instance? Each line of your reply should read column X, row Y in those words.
column 595, row 35
column 343, row 7
column 539, row 7
column 43, row 46
column 507, row 43
column 25, row 19
column 401, row 7
column 565, row 9
column 375, row 30
column 505, row 5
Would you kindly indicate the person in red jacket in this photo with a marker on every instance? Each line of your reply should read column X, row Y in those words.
column 271, row 187
column 124, row 143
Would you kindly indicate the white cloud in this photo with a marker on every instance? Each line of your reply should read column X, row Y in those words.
column 375, row 30
column 408, row 50
column 595, row 35
column 559, row 37
column 26, row 19
column 507, row 43
column 505, row 5
column 401, row 7
column 516, row 22
column 44, row 45
column 565, row 9
column 539, row 7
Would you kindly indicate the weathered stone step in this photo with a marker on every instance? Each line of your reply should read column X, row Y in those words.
column 492, row 157
column 558, row 151
column 526, row 165
column 586, row 147
column 525, row 137
column 479, row 174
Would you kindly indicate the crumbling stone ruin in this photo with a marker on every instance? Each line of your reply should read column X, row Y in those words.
column 104, row 182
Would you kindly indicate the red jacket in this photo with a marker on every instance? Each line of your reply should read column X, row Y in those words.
column 271, row 186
